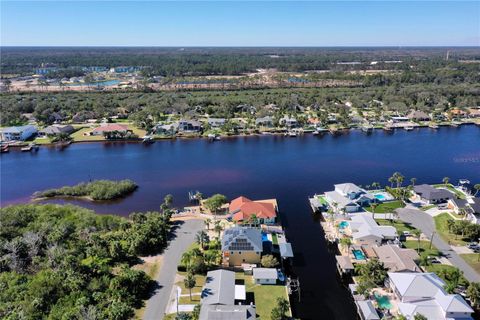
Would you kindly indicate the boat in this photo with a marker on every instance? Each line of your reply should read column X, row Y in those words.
column 147, row 139
column 408, row 128
column 213, row 137
column 433, row 126
column 455, row 124
column 367, row 128
column 292, row 134
column 4, row 149
column 29, row 148
column 281, row 276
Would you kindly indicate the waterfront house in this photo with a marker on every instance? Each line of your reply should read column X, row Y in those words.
column 474, row 112
column 241, row 245
column 397, row 259
column 219, row 288
column 473, row 211
column 110, row 127
column 189, row 126
column 399, row 119
column 366, row 310
column 288, row 122
column 55, row 129
column 431, row 195
column 344, row 264
column 242, row 210
column 265, row 275
column 266, row 122
column 365, row 230
column 216, row 122
column 166, row 129
column 417, row 115
column 459, row 206
column 348, row 197
column 20, row 133
column 424, row 293
column 230, row 312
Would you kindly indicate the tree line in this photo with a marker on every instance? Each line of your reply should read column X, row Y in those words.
column 66, row 262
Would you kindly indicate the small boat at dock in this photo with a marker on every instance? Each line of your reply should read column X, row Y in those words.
column 213, row 137
column 408, row 128
column 29, row 148
column 367, row 128
column 455, row 124
column 433, row 126
column 4, row 149
column 147, row 139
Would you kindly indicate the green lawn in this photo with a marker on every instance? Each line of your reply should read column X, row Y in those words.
column 424, row 248
column 442, row 229
column 79, row 135
column 399, row 225
column 265, row 295
column 473, row 259
column 44, row 140
column 450, row 187
column 387, row 207
column 427, row 207
column 200, row 282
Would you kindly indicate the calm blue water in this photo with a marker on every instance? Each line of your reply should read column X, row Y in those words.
column 289, row 169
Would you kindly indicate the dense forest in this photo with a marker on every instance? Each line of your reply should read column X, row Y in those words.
column 66, row 262
column 221, row 61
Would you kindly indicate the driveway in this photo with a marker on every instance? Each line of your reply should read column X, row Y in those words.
column 425, row 223
column 184, row 236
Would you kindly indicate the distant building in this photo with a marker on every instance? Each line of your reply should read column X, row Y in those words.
column 216, row 122
column 189, row 126
column 56, row 130
column 265, row 275
column 289, row 122
column 264, row 122
column 111, row 127
column 417, row 115
column 20, row 133
column 348, row 197
column 365, row 230
column 242, row 245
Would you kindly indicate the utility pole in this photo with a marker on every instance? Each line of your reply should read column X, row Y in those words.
column 431, row 239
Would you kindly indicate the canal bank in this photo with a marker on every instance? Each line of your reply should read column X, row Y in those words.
column 257, row 167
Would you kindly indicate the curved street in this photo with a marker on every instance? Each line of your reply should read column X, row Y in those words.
column 183, row 237
column 425, row 223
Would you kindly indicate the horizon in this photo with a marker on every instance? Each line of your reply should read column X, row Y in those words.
column 240, row 24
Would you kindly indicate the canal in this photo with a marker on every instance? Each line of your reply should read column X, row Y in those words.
column 289, row 169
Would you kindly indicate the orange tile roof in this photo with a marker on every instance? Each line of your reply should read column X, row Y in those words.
column 243, row 208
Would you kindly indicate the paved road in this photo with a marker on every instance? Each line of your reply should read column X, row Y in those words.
column 424, row 222
column 185, row 235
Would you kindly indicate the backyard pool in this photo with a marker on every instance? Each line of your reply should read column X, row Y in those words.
column 383, row 301
column 343, row 225
column 358, row 254
column 379, row 196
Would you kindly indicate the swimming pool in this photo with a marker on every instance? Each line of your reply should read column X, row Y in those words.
column 383, row 301
column 358, row 254
column 343, row 225
column 380, row 197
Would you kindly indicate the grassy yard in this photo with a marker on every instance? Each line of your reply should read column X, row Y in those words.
column 387, row 207
column 43, row 140
column 200, row 282
column 79, row 135
column 424, row 248
column 473, row 259
column 265, row 295
column 425, row 208
column 450, row 187
column 399, row 225
column 442, row 229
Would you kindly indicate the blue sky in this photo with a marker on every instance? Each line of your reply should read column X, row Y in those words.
column 233, row 23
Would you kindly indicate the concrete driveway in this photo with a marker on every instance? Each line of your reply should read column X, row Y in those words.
column 425, row 223
column 184, row 236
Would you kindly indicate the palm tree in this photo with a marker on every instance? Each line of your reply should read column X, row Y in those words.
column 417, row 233
column 218, row 228
column 187, row 258
column 477, row 189
column 253, row 220
column 207, row 223
column 413, row 181
column 446, row 180
column 202, row 238
column 346, row 242
column 374, row 206
column 190, row 282
column 391, row 180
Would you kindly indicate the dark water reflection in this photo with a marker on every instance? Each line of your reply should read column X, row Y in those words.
column 289, row 169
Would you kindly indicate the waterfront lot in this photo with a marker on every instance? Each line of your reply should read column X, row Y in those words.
column 398, row 224
column 442, row 229
column 387, row 207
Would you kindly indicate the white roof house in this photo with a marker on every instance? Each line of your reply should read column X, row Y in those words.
column 348, row 196
column 367, row 310
column 219, row 288
column 265, row 273
column 423, row 293
column 366, row 230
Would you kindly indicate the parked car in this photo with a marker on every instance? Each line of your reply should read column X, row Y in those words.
column 473, row 246
column 406, row 233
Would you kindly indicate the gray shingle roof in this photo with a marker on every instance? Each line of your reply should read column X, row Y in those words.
column 286, row 250
column 242, row 239
column 428, row 192
column 231, row 312
column 265, row 273
column 219, row 288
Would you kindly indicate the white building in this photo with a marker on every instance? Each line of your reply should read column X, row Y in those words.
column 265, row 275
column 21, row 133
column 366, row 231
column 423, row 293
column 348, row 197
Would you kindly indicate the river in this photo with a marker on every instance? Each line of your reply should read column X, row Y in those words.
column 289, row 169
